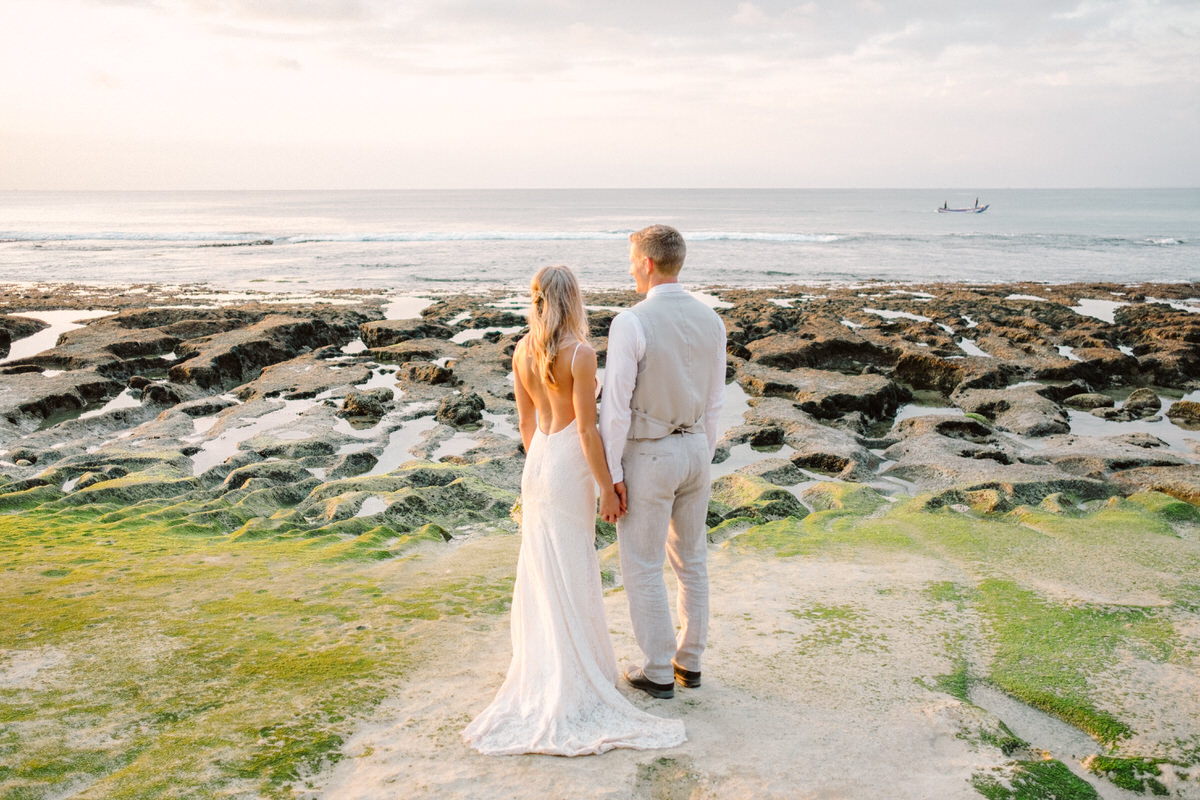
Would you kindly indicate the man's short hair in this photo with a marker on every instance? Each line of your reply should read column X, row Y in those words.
column 663, row 244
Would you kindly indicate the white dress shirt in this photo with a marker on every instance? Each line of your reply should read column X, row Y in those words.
column 626, row 347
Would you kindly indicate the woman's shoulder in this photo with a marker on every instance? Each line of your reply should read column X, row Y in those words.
column 582, row 355
column 522, row 347
column 576, row 348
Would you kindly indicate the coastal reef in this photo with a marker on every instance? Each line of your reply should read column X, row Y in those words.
column 959, row 523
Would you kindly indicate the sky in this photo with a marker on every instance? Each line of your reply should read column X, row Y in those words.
column 399, row 94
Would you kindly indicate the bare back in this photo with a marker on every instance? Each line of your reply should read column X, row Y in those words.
column 548, row 409
column 554, row 404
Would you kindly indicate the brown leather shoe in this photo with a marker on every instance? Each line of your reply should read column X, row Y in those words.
column 638, row 680
column 685, row 677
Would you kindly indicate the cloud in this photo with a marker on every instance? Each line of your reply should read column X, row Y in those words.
column 760, row 88
column 748, row 14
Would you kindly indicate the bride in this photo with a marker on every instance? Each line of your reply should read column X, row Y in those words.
column 559, row 696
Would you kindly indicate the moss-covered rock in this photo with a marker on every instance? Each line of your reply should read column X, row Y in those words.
column 754, row 498
column 20, row 495
column 1001, row 496
column 156, row 482
column 1059, row 503
column 353, row 464
column 1166, row 506
column 271, row 473
column 841, row 496
column 1185, row 411
column 1181, row 482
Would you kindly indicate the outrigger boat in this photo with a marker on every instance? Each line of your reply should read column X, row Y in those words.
column 975, row 209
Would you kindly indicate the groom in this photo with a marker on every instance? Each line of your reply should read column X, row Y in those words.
column 664, row 381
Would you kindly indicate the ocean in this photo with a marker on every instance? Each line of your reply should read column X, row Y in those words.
column 432, row 241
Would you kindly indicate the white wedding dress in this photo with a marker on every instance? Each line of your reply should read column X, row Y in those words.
column 560, row 694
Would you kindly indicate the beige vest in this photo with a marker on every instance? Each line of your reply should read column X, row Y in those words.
column 683, row 338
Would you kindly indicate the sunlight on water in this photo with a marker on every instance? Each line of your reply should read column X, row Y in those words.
column 406, row 241
column 478, row 333
column 887, row 314
column 59, row 321
column 124, row 400
column 406, row 307
column 400, row 443
column 1104, row 310
column 910, row 410
column 371, row 506
column 969, row 347
column 216, row 450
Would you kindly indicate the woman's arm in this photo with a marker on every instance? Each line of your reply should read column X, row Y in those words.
column 526, row 411
column 583, row 398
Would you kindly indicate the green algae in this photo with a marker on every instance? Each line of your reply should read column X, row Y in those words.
column 31, row 497
column 460, row 598
column 784, row 538
column 852, row 498
column 1046, row 652
column 751, row 498
column 831, row 531
column 835, row 626
column 1165, row 506
column 237, row 640
column 669, row 778
column 1037, row 780
column 1134, row 774
column 950, row 592
column 157, row 481
column 184, row 666
column 957, row 682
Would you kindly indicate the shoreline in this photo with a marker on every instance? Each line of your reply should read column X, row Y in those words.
column 126, row 294
column 287, row 524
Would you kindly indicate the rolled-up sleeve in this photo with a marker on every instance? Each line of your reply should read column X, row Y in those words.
column 626, row 345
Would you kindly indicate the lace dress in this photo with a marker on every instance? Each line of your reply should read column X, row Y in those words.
column 560, row 694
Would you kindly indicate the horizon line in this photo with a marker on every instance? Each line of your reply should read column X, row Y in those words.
column 20, row 190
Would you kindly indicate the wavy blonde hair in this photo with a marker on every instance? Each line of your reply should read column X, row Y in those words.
column 556, row 311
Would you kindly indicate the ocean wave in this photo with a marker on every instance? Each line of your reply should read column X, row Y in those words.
column 1055, row 241
column 819, row 238
column 553, row 236
column 1081, row 241
column 210, row 239
column 457, row 236
column 129, row 236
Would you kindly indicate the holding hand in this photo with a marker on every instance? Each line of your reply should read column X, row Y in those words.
column 612, row 508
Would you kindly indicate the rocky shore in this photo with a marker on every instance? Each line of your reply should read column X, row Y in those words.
column 920, row 494
column 1007, row 394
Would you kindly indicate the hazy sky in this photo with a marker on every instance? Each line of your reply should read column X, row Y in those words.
column 220, row 94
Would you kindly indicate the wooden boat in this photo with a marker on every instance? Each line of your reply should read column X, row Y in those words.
column 975, row 209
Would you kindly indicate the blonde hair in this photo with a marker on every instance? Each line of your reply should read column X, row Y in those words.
column 557, row 310
column 663, row 244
